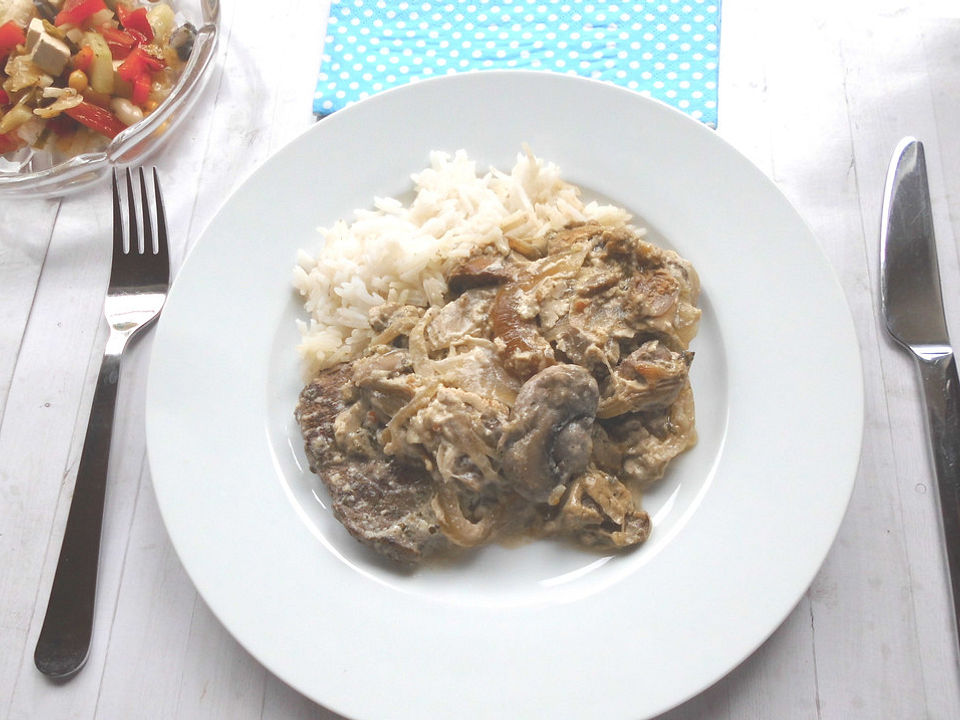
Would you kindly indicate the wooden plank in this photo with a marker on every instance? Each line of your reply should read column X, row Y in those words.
column 281, row 702
column 777, row 681
column 899, row 96
column 157, row 647
column 220, row 679
column 269, row 102
column 742, row 104
column 868, row 668
column 833, row 169
column 49, row 399
column 26, row 229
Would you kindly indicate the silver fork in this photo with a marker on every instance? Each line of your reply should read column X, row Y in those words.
column 138, row 286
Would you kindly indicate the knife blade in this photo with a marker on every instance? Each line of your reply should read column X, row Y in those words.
column 912, row 305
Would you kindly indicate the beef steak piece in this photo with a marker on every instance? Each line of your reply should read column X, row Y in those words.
column 382, row 501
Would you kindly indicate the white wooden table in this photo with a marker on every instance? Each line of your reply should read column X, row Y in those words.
column 816, row 93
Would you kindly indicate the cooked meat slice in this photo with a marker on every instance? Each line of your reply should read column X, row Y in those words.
column 383, row 502
column 320, row 402
column 548, row 437
column 649, row 378
column 599, row 511
column 352, row 433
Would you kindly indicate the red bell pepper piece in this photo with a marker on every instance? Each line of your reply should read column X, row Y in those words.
column 138, row 36
column 76, row 11
column 119, row 41
column 4, row 98
column 136, row 21
column 138, row 62
column 97, row 119
column 10, row 142
column 11, row 35
column 141, row 89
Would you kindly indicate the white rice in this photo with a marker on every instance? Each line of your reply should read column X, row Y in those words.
column 398, row 253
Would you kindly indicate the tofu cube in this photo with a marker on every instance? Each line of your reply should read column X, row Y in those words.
column 34, row 32
column 50, row 54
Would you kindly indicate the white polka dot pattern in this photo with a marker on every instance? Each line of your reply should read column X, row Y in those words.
column 667, row 49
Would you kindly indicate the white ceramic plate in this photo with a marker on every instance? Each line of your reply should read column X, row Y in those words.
column 742, row 522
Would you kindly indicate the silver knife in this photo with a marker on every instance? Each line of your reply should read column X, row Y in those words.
column 913, row 307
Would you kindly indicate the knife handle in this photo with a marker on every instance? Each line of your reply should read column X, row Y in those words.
column 941, row 398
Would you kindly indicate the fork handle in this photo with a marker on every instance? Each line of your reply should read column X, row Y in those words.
column 64, row 640
column 941, row 398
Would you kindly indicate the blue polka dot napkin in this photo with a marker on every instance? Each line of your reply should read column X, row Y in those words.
column 667, row 49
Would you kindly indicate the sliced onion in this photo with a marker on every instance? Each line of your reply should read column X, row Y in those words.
column 454, row 524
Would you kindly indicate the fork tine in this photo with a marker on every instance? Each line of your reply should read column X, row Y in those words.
column 145, row 212
column 162, row 250
column 117, row 222
column 132, row 214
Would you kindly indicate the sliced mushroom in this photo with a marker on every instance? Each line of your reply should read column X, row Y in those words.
column 599, row 511
column 649, row 378
column 478, row 271
column 583, row 234
column 547, row 439
column 385, row 382
column 523, row 350
column 392, row 321
column 656, row 292
column 637, row 447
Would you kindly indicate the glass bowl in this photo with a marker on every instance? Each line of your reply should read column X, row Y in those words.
column 32, row 172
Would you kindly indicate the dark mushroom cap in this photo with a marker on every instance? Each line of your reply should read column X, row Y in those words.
column 547, row 440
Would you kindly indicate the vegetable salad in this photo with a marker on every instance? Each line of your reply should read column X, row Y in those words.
column 75, row 73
